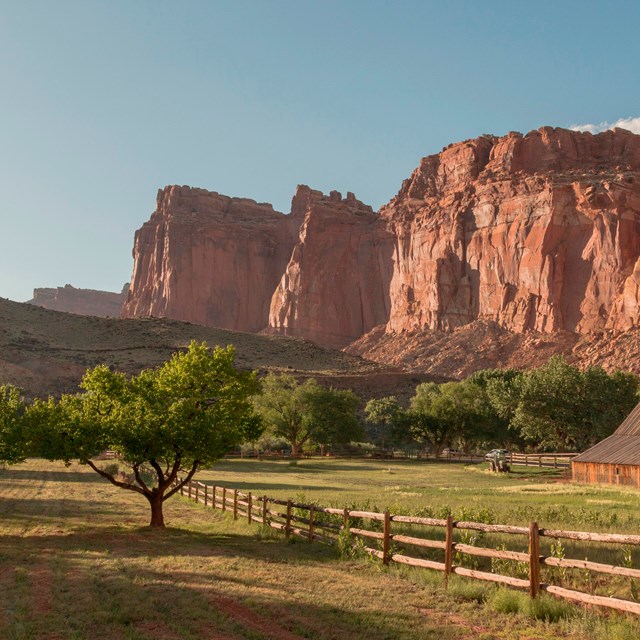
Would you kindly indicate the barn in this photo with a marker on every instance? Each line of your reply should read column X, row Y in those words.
column 615, row 460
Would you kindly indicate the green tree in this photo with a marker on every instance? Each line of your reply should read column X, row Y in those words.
column 13, row 444
column 175, row 419
column 560, row 407
column 382, row 415
column 307, row 413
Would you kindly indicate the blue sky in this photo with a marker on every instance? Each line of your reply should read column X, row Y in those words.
column 104, row 102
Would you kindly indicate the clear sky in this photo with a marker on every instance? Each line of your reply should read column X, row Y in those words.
column 105, row 101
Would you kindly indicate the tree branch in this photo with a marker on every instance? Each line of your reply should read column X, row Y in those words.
column 139, row 480
column 112, row 480
column 154, row 463
column 190, row 475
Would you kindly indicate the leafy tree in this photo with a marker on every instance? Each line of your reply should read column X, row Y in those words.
column 13, row 445
column 382, row 415
column 560, row 407
column 177, row 418
column 332, row 416
column 306, row 413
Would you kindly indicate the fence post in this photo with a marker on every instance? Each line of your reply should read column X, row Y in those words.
column 249, row 509
column 345, row 519
column 448, row 551
column 197, row 491
column 287, row 527
column 386, row 540
column 213, row 497
column 264, row 511
column 190, row 486
column 235, row 504
column 311, row 514
column 534, row 560
column 206, row 495
column 224, row 498
column 182, row 490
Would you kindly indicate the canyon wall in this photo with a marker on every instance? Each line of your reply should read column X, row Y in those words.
column 536, row 233
column 209, row 259
column 336, row 284
column 84, row 302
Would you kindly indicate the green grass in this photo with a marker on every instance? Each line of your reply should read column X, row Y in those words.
column 470, row 492
column 76, row 561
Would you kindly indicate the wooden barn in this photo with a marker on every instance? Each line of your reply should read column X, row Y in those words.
column 615, row 460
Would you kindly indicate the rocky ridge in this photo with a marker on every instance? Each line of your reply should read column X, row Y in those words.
column 535, row 234
column 84, row 302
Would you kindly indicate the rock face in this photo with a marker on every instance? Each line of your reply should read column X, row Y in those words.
column 84, row 302
column 336, row 284
column 209, row 259
column 537, row 233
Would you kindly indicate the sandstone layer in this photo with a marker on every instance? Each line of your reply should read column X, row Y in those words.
column 538, row 232
column 336, row 284
column 84, row 302
column 535, row 235
column 209, row 259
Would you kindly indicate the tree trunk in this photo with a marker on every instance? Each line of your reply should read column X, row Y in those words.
column 157, row 517
column 295, row 449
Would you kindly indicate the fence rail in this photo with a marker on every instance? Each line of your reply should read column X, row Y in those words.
column 549, row 460
column 325, row 524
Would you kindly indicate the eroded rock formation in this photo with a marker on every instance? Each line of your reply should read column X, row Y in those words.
column 209, row 259
column 84, row 302
column 336, row 284
column 536, row 233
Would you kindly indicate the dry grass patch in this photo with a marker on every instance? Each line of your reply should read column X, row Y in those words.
column 75, row 563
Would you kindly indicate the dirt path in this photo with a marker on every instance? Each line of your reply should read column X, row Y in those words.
column 250, row 619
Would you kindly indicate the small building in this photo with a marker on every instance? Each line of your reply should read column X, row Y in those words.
column 615, row 460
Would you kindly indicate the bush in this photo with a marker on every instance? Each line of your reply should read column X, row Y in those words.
column 505, row 600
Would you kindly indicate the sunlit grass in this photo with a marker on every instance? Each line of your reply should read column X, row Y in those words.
column 76, row 561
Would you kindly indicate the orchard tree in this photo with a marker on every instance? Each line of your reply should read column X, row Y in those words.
column 307, row 413
column 382, row 415
column 560, row 407
column 175, row 419
column 13, row 445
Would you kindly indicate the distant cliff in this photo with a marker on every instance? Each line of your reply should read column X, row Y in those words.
column 535, row 233
column 84, row 302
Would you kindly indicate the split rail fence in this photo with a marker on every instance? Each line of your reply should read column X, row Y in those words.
column 325, row 524
column 549, row 460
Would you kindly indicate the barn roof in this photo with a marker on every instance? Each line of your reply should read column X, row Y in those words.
column 623, row 447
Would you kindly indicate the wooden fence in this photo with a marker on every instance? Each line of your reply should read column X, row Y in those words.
column 324, row 524
column 549, row 460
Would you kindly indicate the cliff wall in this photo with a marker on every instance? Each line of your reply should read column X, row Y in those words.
column 536, row 233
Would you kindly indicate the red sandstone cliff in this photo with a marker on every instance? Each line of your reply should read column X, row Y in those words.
column 533, row 233
column 336, row 285
column 537, row 232
column 209, row 259
column 84, row 302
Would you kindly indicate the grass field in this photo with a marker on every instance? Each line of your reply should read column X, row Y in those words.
column 470, row 492
column 76, row 561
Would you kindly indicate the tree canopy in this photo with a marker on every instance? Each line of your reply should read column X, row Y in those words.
column 306, row 412
column 557, row 406
column 382, row 415
column 13, row 444
column 174, row 419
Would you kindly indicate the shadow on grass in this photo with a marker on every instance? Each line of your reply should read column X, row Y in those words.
column 16, row 473
column 292, row 465
column 218, row 600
